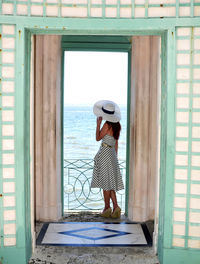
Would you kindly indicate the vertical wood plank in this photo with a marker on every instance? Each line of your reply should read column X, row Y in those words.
column 143, row 128
column 47, row 127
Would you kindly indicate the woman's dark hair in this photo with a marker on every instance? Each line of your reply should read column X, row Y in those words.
column 116, row 128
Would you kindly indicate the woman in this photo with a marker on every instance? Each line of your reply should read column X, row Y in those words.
column 106, row 172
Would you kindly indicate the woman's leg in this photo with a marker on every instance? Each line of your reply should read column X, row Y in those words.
column 114, row 199
column 106, row 195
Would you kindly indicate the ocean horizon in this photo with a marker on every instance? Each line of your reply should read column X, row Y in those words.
column 80, row 132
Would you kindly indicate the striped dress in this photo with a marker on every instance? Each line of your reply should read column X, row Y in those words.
column 106, row 172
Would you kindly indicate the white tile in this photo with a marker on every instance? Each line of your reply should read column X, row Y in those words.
column 196, row 117
column 8, row 130
column 196, row 161
column 8, row 144
column 8, row 187
column 36, row 10
column 196, row 88
column 180, row 188
column 184, row 11
column 8, row 158
column 194, row 217
column 183, row 31
column 9, row 215
column 74, row 12
column 111, row 2
column 22, row 9
column 111, row 12
column 8, row 57
column 7, row 9
column 180, row 202
column 94, row 233
column 9, row 229
column 96, row 12
column 9, row 241
column 161, row 11
column 139, row 12
column 8, row 101
column 8, row 87
column 183, row 44
column 181, row 174
column 52, row 11
column 125, row 12
column 194, row 243
column 8, row 201
column 7, row 115
column 182, row 117
column 195, row 175
column 181, row 160
column 182, row 131
column 196, row 132
column 182, row 88
column 8, row 72
column 8, row 173
column 7, row 29
column 8, row 43
column 195, row 203
column 178, row 242
column 179, row 216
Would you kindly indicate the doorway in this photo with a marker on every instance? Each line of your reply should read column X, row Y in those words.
column 136, row 206
column 90, row 76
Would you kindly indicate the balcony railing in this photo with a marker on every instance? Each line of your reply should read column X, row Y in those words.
column 78, row 196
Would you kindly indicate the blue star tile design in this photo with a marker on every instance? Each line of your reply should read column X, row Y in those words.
column 75, row 233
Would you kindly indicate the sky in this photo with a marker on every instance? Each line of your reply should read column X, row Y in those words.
column 93, row 76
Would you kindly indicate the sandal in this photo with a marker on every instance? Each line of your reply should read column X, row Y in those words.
column 106, row 213
column 116, row 213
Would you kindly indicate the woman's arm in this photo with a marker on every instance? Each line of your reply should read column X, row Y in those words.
column 100, row 133
column 116, row 146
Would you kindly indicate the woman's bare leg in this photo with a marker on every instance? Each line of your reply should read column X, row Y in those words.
column 106, row 195
column 114, row 199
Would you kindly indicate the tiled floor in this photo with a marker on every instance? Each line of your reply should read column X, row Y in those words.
column 94, row 234
column 48, row 254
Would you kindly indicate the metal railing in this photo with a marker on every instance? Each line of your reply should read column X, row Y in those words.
column 78, row 196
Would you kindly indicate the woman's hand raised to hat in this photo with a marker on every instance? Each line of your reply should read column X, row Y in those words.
column 99, row 120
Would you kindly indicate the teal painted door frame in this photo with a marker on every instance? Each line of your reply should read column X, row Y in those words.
column 106, row 44
column 123, row 27
column 23, row 241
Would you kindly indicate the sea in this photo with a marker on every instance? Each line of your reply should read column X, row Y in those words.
column 80, row 133
column 80, row 148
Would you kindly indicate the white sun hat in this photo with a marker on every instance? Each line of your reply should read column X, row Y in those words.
column 108, row 110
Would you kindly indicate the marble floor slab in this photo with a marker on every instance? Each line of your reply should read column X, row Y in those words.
column 94, row 234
